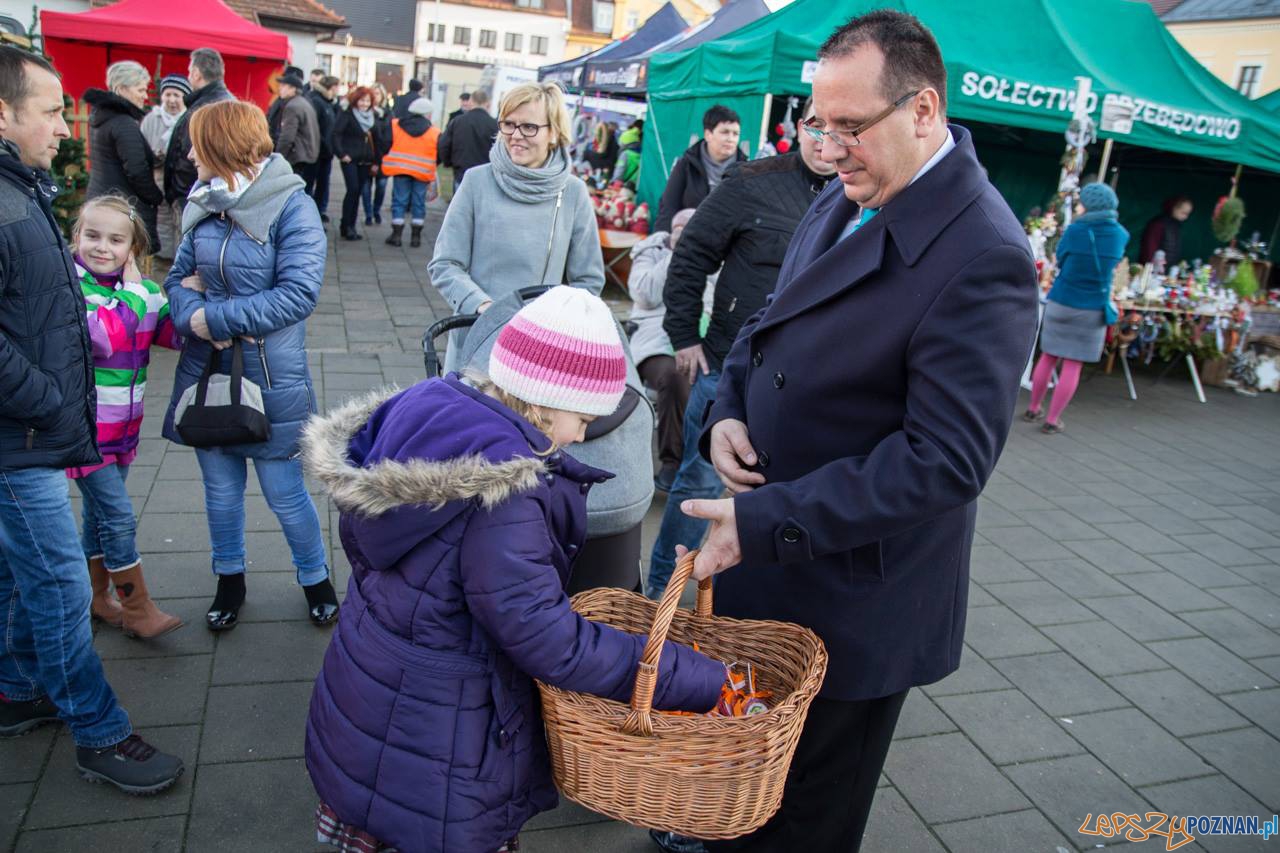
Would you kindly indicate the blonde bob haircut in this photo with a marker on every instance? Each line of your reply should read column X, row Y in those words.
column 126, row 74
column 230, row 137
column 551, row 96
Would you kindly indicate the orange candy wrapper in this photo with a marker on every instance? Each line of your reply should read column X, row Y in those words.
column 739, row 696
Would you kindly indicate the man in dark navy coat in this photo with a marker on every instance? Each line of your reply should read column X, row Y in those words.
column 860, row 413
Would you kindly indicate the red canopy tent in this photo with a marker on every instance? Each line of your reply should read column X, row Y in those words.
column 161, row 35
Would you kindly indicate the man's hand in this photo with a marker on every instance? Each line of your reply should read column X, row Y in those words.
column 731, row 454
column 194, row 282
column 721, row 550
column 690, row 360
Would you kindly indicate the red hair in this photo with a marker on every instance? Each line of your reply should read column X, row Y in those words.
column 354, row 96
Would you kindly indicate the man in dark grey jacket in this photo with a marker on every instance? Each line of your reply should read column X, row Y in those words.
column 49, row 671
column 296, row 128
column 467, row 139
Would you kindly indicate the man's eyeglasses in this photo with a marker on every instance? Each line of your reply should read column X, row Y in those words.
column 849, row 138
column 527, row 129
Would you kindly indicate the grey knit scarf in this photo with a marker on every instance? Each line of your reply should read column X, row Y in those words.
column 525, row 184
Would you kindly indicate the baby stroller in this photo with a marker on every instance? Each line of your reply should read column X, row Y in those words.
column 620, row 443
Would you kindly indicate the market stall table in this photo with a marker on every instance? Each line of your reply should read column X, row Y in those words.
column 616, row 247
column 1155, row 308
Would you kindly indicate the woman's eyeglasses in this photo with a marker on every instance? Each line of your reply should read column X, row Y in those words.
column 527, row 129
column 849, row 138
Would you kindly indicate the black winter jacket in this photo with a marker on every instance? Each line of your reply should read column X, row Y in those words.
column 365, row 148
column 47, row 409
column 467, row 139
column 120, row 158
column 687, row 186
column 746, row 223
column 326, row 111
column 180, row 172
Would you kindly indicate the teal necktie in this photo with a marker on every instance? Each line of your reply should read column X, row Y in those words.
column 864, row 216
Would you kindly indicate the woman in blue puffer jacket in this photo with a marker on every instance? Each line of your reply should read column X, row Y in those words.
column 249, row 268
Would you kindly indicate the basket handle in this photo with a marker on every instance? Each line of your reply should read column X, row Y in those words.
column 640, row 719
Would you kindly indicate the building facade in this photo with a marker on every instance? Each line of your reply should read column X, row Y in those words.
column 1237, row 40
column 377, row 46
column 630, row 14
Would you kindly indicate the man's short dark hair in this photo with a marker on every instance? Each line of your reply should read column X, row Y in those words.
column 209, row 63
column 415, row 85
column 719, row 115
column 465, row 96
column 912, row 59
column 15, row 82
column 318, row 72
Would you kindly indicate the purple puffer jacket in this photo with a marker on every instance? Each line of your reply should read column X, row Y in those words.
column 424, row 727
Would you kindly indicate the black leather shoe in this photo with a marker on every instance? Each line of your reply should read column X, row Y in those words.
column 324, row 614
column 224, row 613
column 322, row 602
column 19, row 717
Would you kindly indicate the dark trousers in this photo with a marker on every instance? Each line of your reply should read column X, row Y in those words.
column 832, row 780
column 659, row 373
column 356, row 176
column 317, row 178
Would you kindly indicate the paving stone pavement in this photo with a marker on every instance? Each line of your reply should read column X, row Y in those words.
column 1122, row 652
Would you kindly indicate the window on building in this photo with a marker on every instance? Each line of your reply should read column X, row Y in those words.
column 435, row 32
column 633, row 21
column 530, row 4
column 462, row 36
column 538, row 45
column 514, row 42
column 1247, row 83
column 350, row 69
column 603, row 17
column 489, row 38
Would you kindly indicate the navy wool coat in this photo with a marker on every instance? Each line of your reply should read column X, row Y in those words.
column 878, row 386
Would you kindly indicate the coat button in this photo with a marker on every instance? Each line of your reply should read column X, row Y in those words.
column 585, row 487
column 790, row 535
column 779, row 380
column 758, row 358
column 764, row 459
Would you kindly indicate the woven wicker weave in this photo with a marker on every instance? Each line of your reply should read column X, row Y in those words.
column 705, row 777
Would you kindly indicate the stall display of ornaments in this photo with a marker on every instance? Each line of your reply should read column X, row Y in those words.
column 616, row 209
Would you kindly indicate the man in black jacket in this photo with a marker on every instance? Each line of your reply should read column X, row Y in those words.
column 745, row 224
column 464, row 105
column 468, row 138
column 48, row 668
column 405, row 98
column 700, row 169
column 318, row 176
column 205, row 74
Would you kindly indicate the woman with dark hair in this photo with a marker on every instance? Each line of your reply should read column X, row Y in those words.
column 358, row 148
column 1163, row 233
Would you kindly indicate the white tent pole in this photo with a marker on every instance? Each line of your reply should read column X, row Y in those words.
column 1106, row 160
column 764, row 120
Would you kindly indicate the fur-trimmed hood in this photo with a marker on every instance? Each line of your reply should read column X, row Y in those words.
column 437, row 443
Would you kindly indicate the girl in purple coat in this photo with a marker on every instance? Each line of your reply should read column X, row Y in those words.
column 461, row 517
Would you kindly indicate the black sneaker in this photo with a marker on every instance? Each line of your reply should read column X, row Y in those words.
column 133, row 765
column 18, row 718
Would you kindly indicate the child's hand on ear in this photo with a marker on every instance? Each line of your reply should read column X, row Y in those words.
column 131, row 271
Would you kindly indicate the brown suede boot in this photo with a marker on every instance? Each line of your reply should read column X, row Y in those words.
column 103, row 605
column 141, row 616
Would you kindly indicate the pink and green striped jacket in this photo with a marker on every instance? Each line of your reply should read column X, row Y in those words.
column 125, row 319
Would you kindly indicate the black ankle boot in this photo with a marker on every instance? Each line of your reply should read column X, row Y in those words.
column 322, row 602
column 415, row 238
column 224, row 613
column 132, row 765
column 17, row 717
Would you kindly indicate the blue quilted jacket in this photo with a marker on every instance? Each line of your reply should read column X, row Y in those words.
column 262, row 262
column 424, row 727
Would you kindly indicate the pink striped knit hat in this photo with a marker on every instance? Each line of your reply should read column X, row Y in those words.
column 562, row 351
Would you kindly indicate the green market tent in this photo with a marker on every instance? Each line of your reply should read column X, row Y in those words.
column 1009, row 62
column 1270, row 102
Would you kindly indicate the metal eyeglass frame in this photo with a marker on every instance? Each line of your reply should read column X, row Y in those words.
column 839, row 136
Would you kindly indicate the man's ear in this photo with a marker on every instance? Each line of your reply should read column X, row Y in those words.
column 6, row 115
column 928, row 111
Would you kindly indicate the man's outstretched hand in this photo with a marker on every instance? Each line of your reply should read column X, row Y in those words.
column 721, row 550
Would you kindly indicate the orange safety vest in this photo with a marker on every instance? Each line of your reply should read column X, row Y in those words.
column 414, row 156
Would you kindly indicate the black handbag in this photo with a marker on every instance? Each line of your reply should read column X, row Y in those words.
column 232, row 414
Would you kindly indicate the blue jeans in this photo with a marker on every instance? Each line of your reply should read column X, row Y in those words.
column 406, row 192
column 695, row 479
column 224, row 480
column 373, row 194
column 46, row 647
column 110, row 530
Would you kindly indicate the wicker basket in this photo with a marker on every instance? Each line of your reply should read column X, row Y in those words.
column 705, row 777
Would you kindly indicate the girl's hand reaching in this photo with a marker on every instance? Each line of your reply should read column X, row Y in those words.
column 193, row 282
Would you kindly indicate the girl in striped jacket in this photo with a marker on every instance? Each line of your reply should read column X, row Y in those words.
column 126, row 315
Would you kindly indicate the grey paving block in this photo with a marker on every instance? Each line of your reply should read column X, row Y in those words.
column 1260, row 706
column 1190, row 506
column 604, row 837
column 1059, row 524
column 154, row 835
column 989, row 564
column 1237, row 632
column 1059, row 684
column 1040, row 603
column 191, row 639
column 276, row 597
column 1111, row 556
column 271, row 802
column 974, row 676
column 1166, row 521
column 22, row 758
column 945, row 778
column 894, row 826
column 1254, row 601
column 1271, row 666
column 1177, row 703
column 142, row 479
column 161, row 691
column 1078, row 578
column 185, row 496
column 1137, row 749
column 1102, row 648
column 991, row 514
column 167, row 532
column 999, row 632
column 186, row 575
column 1265, row 575
column 1211, row 666
column 1209, row 795
column 1249, row 757
column 921, row 717
column 1016, row 832
column 1244, row 534
column 1007, row 727
column 1026, row 543
column 1141, row 619
column 1068, row 789
column 255, row 722
column 1199, row 570
column 178, row 464
column 1171, row 592
column 1221, row 550
column 270, row 651
column 13, row 808
column 1089, row 508
column 1141, row 538
column 568, row 813
column 63, row 799
column 1117, row 494
column 979, row 597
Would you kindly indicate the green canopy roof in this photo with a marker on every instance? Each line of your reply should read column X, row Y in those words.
column 1270, row 102
column 1011, row 62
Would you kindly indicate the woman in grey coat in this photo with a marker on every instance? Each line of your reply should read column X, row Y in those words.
column 523, row 219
